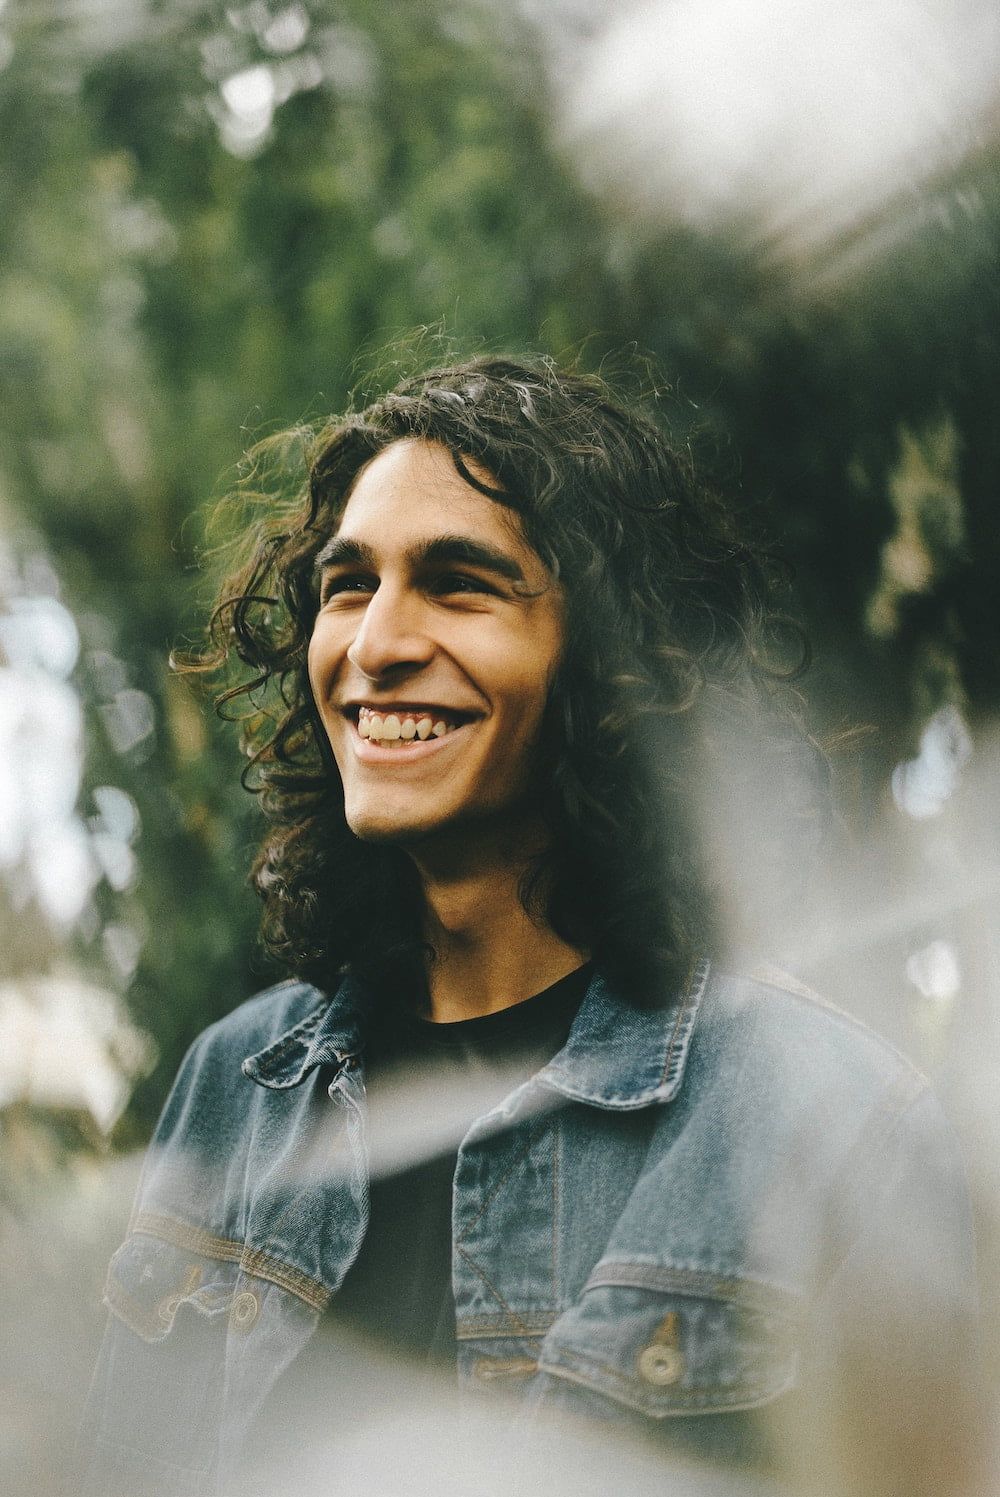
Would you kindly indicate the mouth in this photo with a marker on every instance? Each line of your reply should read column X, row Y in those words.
column 403, row 728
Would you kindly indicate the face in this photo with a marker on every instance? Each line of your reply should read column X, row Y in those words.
column 433, row 652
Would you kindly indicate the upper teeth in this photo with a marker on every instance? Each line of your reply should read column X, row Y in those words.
column 391, row 727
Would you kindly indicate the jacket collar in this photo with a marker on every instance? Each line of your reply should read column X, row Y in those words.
column 329, row 1035
column 617, row 1056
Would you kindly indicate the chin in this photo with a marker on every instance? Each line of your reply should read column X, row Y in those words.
column 377, row 834
column 388, row 830
column 389, row 826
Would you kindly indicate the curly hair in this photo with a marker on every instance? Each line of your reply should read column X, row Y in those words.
column 672, row 635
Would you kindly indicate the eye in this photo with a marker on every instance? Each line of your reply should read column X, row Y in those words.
column 346, row 582
column 461, row 582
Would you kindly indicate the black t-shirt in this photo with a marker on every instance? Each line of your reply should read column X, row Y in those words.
column 399, row 1288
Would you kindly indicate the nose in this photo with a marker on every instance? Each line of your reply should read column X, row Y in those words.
column 390, row 639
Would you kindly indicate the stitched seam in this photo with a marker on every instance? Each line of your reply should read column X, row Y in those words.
column 253, row 1261
column 556, row 1142
column 897, row 1101
column 691, row 997
column 677, row 1395
column 294, row 1037
column 497, row 1328
column 263, row 1266
column 304, row 1027
column 815, row 1000
column 681, row 1013
column 777, row 977
column 696, row 1283
column 298, row 1032
column 146, row 1325
column 518, row 1160
column 515, row 1318
column 183, row 1235
column 709, row 1395
column 495, row 1368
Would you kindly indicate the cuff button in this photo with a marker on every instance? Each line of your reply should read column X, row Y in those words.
column 244, row 1312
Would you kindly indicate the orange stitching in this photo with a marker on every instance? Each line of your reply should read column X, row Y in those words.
column 682, row 1012
column 556, row 1140
column 721, row 1397
column 697, row 1283
column 263, row 1266
column 251, row 1260
column 767, row 977
column 497, row 1328
column 522, row 1328
column 182, row 1234
column 491, row 1368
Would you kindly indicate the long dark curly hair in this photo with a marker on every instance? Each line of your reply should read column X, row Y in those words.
column 673, row 695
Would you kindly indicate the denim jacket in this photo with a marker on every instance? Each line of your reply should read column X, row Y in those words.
column 642, row 1229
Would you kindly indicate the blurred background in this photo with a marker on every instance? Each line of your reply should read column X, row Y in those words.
column 782, row 217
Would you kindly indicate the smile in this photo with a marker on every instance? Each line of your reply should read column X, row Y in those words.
column 405, row 731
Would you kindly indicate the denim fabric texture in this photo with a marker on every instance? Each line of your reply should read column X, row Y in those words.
column 640, row 1231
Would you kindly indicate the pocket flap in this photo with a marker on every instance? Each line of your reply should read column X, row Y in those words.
column 149, row 1280
column 698, row 1344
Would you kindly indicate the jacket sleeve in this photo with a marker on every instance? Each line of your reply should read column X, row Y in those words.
column 158, row 1380
column 892, row 1378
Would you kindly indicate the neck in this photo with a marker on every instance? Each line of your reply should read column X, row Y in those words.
column 489, row 952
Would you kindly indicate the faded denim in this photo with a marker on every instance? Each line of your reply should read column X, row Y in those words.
column 641, row 1230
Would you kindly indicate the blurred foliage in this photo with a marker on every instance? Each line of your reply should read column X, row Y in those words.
column 212, row 221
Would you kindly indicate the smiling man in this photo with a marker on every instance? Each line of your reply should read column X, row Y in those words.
column 425, row 584
column 523, row 1110
column 431, row 662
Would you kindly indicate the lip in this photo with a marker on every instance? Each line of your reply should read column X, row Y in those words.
column 351, row 710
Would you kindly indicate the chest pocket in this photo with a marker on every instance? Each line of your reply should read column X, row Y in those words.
column 668, row 1342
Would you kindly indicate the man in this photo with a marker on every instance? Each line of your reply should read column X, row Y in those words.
column 516, row 641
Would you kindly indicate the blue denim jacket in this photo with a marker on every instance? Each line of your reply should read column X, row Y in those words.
column 640, row 1230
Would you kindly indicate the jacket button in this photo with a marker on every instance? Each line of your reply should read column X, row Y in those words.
column 244, row 1311
column 660, row 1365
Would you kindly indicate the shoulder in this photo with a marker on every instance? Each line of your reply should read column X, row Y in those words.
column 769, row 1011
column 210, row 1084
column 216, row 1116
column 263, row 1019
column 813, row 1119
column 865, row 1146
column 773, row 1047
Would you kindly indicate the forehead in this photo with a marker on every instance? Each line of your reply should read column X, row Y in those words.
column 412, row 490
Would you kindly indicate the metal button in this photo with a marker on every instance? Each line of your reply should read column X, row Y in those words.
column 660, row 1365
column 244, row 1312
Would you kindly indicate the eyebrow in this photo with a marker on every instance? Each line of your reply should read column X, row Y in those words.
column 443, row 550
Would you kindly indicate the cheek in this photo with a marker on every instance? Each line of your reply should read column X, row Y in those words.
column 312, row 671
column 538, row 663
column 527, row 700
column 321, row 662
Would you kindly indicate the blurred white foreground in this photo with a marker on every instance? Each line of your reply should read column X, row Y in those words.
column 786, row 123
